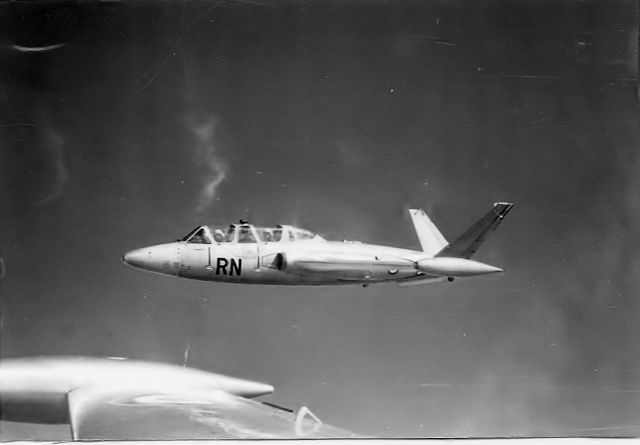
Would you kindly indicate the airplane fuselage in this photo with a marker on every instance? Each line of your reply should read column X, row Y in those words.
column 311, row 262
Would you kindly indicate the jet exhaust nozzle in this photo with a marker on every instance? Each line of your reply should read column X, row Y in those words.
column 454, row 267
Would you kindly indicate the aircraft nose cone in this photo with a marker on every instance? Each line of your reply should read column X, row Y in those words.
column 161, row 258
column 135, row 258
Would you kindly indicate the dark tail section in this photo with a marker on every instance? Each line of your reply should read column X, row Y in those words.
column 467, row 244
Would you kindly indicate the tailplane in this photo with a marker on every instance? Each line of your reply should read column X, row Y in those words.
column 469, row 242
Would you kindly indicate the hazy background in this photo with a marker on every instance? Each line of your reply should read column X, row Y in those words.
column 128, row 124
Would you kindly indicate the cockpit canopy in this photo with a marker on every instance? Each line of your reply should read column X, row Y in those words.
column 248, row 233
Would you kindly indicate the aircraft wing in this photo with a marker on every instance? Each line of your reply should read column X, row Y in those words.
column 115, row 413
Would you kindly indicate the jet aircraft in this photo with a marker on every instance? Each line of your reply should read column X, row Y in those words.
column 118, row 399
column 287, row 255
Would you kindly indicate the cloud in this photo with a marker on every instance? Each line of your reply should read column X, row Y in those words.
column 207, row 155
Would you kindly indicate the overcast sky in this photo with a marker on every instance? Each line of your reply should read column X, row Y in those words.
column 128, row 124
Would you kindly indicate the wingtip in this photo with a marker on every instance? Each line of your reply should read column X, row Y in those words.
column 265, row 388
column 502, row 208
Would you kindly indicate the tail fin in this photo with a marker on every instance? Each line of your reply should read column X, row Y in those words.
column 431, row 240
column 467, row 244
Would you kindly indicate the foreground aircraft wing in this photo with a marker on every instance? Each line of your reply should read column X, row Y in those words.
column 623, row 440
column 114, row 413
